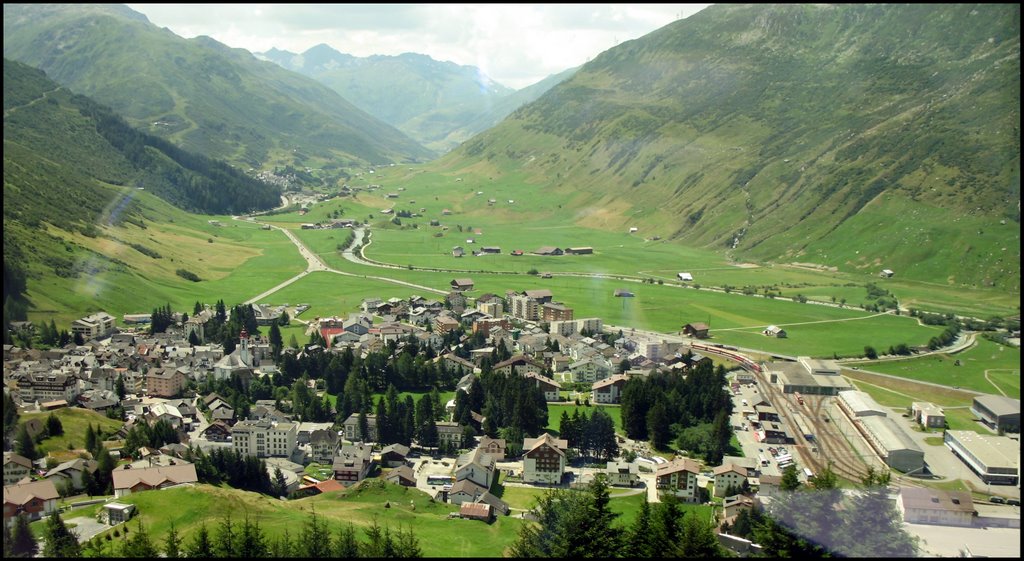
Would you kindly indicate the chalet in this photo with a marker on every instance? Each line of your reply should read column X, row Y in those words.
column 402, row 475
column 519, row 364
column 732, row 506
column 729, row 476
column 579, row 250
column 544, row 459
column 35, row 499
column 494, row 447
column 549, row 250
column 549, row 387
column 465, row 491
column 128, row 480
column 217, row 431
column 394, row 455
column 449, row 434
column 351, row 428
column 698, row 330
column 622, row 474
column 679, row 477
column 462, row 284
column 73, row 471
column 353, row 463
column 774, row 331
column 457, row 251
column 476, row 466
column 609, row 390
column 16, row 468
column 323, row 445
column 456, row 363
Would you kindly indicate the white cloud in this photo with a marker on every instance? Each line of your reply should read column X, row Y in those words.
column 515, row 44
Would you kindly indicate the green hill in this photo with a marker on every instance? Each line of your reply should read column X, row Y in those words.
column 80, row 195
column 198, row 93
column 440, row 104
column 856, row 136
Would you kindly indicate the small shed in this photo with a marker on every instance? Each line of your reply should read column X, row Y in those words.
column 886, row 273
column 623, row 293
column 774, row 331
column 476, row 511
column 118, row 512
column 685, row 276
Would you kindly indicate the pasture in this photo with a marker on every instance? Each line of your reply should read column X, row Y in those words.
column 1000, row 362
column 555, row 414
column 189, row 508
column 74, row 421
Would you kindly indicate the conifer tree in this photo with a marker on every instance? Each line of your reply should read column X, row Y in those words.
column 60, row 541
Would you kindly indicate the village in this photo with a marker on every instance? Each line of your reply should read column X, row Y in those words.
column 570, row 360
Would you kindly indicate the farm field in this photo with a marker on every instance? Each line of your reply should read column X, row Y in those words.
column 1000, row 361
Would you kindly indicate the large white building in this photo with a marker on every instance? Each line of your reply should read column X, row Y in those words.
column 996, row 459
column 264, row 438
column 544, row 459
column 566, row 328
column 91, row 327
column 894, row 446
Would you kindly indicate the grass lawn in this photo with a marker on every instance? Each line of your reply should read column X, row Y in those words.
column 74, row 420
column 893, row 392
column 188, row 508
column 1002, row 363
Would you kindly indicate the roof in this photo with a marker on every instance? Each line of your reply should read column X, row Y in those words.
column 610, row 381
column 935, row 499
column 988, row 449
column 477, row 510
column 495, row 502
column 463, row 282
column 400, row 449
column 890, row 436
column 531, row 444
column 999, row 405
column 539, row 293
column 22, row 493
column 468, row 487
column 727, row 468
column 402, row 472
column 154, row 476
column 679, row 464
column 861, row 403
column 18, row 459
column 699, row 326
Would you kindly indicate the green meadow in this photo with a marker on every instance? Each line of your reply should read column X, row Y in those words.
column 189, row 508
column 901, row 393
column 1000, row 362
column 74, row 421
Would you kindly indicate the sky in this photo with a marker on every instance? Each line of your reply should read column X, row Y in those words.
column 515, row 45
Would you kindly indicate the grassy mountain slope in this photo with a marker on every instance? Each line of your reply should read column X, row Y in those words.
column 200, row 94
column 440, row 104
column 79, row 232
column 856, row 136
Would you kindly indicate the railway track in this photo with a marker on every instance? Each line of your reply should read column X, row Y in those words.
column 830, row 446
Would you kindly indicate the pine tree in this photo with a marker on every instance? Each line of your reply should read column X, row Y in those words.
column 315, row 539
column 638, row 542
column 172, row 543
column 698, row 538
column 201, row 544
column 26, row 444
column 251, row 541
column 276, row 341
column 60, row 541
column 139, row 545
column 224, row 542
column 22, row 543
column 346, row 546
column 280, row 485
column 90, row 438
column 54, row 426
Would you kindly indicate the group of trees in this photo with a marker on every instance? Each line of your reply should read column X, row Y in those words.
column 513, row 405
column 592, row 436
column 574, row 524
column 156, row 435
column 663, row 406
column 248, row 539
column 225, row 465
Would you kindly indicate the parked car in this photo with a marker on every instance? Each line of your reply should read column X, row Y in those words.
column 997, row 500
column 1013, row 502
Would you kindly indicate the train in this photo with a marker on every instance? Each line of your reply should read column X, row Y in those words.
column 727, row 352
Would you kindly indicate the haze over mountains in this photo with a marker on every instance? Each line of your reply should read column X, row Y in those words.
column 851, row 136
column 198, row 93
column 440, row 104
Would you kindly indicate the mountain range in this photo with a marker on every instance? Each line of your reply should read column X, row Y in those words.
column 855, row 136
column 859, row 137
column 199, row 93
column 439, row 104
